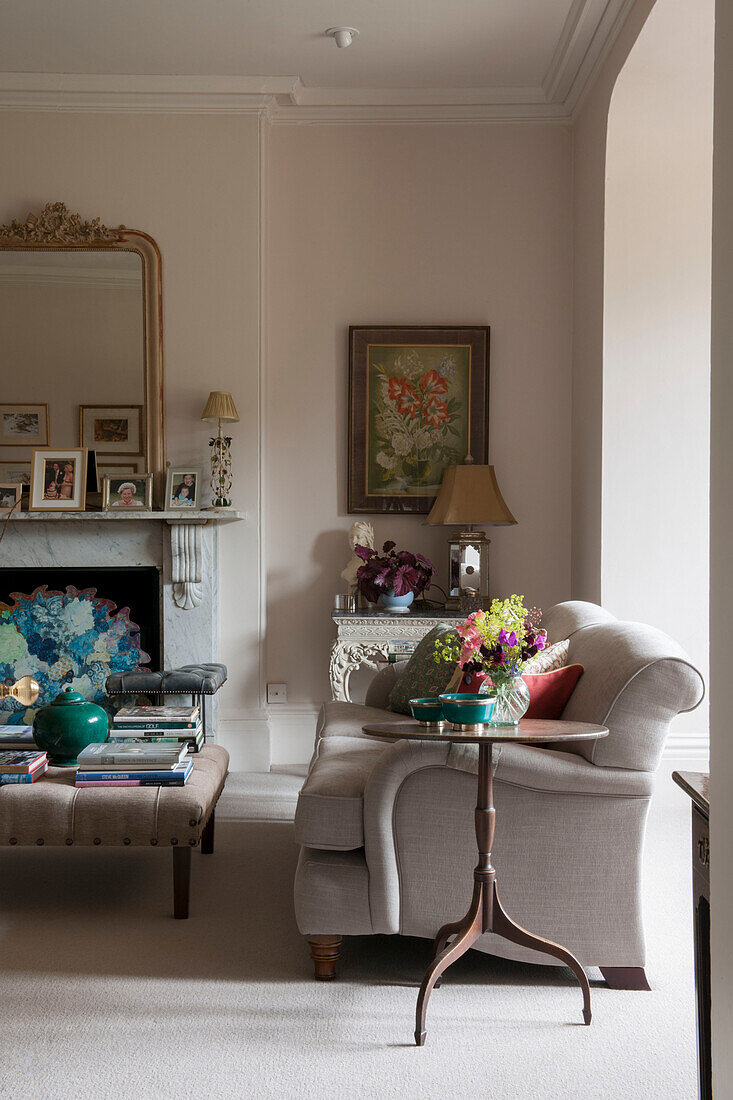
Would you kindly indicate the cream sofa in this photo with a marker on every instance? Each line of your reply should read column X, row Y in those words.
column 386, row 830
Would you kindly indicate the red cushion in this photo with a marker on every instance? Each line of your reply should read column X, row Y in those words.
column 550, row 691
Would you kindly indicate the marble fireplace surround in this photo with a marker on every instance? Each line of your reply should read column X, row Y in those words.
column 183, row 548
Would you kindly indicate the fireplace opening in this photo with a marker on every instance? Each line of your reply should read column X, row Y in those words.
column 74, row 626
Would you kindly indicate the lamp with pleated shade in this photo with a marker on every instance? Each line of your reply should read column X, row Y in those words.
column 470, row 495
column 220, row 407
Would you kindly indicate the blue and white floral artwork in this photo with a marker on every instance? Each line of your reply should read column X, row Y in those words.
column 65, row 639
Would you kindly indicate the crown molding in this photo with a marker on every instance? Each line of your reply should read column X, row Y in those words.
column 144, row 94
column 588, row 34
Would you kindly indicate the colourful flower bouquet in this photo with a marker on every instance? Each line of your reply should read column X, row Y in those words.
column 391, row 573
column 497, row 643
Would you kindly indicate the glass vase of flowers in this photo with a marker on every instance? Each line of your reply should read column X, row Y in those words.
column 492, row 648
column 394, row 577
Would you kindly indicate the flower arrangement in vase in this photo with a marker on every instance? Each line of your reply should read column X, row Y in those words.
column 392, row 578
column 492, row 648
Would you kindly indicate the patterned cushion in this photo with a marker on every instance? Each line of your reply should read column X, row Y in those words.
column 547, row 660
column 423, row 677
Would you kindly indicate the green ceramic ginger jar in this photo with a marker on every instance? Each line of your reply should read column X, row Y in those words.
column 68, row 725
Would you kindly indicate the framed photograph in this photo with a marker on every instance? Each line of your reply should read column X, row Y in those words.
column 183, row 487
column 122, row 493
column 418, row 402
column 58, row 479
column 24, row 425
column 9, row 498
column 116, row 469
column 112, row 429
column 16, row 473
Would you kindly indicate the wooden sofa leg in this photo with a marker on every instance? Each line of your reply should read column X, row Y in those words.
column 625, row 977
column 325, row 951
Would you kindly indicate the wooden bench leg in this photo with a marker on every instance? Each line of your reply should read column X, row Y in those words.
column 181, row 881
column 625, row 977
column 207, row 836
column 325, row 951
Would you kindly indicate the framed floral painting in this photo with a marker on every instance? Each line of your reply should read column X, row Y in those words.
column 418, row 402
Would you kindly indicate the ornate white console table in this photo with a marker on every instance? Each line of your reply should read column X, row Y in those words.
column 367, row 637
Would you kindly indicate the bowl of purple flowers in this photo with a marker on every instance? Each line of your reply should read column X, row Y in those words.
column 393, row 578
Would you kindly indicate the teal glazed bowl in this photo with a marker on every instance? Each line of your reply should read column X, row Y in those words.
column 429, row 712
column 468, row 711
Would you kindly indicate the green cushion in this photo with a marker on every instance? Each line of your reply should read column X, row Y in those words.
column 423, row 676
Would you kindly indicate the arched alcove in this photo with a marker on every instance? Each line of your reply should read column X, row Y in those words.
column 656, row 369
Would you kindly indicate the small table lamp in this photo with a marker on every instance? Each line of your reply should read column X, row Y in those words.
column 468, row 495
column 220, row 406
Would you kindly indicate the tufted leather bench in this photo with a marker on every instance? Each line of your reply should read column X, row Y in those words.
column 53, row 811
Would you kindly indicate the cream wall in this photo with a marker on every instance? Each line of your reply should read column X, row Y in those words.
column 589, row 174
column 191, row 182
column 656, row 379
column 411, row 224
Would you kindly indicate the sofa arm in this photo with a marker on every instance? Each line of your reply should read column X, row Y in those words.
column 529, row 767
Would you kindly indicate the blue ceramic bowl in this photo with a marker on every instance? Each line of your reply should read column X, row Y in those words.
column 468, row 710
column 426, row 710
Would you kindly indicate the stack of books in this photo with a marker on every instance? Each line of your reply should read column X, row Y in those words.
column 138, row 765
column 160, row 725
column 22, row 766
column 16, row 737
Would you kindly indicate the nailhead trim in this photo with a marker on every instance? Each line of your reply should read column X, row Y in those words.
column 127, row 840
column 97, row 840
column 193, row 823
column 153, row 842
column 174, row 840
column 193, row 842
column 13, row 840
column 40, row 840
column 69, row 840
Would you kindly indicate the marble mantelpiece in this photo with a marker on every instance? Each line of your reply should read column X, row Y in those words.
column 183, row 548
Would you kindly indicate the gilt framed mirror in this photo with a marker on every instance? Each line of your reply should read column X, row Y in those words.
column 82, row 342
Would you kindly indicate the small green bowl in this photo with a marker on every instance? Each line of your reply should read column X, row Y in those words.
column 427, row 711
column 468, row 710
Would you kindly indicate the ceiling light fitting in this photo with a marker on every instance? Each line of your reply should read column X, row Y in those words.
column 344, row 35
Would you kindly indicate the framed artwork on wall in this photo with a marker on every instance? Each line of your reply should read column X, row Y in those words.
column 418, row 402
column 59, row 479
column 112, row 429
column 24, row 425
column 16, row 473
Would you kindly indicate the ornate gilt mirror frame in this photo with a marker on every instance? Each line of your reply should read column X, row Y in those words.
column 55, row 228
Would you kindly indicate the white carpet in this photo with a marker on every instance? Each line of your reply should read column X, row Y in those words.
column 104, row 995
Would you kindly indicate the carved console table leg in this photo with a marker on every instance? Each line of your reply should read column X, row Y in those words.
column 186, row 573
column 348, row 656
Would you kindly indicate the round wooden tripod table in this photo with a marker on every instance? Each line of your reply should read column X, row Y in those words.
column 486, row 913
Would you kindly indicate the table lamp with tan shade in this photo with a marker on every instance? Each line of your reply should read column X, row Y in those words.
column 469, row 495
column 220, row 407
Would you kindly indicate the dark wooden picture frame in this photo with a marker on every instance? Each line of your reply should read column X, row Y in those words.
column 418, row 402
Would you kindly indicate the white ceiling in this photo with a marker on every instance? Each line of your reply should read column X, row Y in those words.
column 533, row 56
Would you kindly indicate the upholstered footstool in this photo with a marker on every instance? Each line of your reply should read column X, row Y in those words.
column 198, row 681
column 53, row 811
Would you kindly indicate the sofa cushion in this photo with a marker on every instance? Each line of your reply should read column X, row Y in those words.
column 423, row 676
column 330, row 810
column 550, row 691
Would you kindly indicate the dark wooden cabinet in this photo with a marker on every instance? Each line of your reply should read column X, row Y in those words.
column 696, row 785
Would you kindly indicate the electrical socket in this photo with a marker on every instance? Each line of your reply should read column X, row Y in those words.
column 277, row 693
